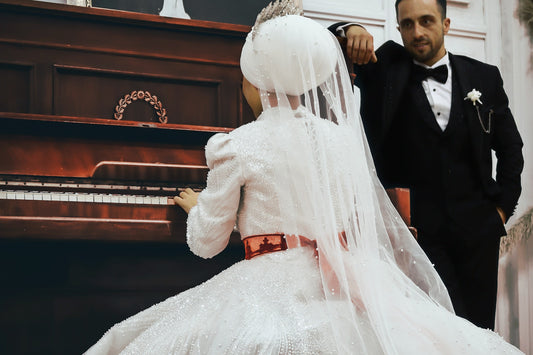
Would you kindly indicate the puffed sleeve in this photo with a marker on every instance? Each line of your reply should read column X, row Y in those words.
column 211, row 221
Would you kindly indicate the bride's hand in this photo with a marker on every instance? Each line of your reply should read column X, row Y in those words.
column 187, row 199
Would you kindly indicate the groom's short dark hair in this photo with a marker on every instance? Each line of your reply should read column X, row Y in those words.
column 440, row 3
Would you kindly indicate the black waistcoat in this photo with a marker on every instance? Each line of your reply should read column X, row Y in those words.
column 437, row 166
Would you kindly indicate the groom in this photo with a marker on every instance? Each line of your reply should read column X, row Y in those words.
column 430, row 131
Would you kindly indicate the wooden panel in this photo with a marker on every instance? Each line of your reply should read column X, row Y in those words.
column 16, row 88
column 94, row 92
column 57, row 228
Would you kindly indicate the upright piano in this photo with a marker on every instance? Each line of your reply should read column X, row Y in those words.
column 104, row 116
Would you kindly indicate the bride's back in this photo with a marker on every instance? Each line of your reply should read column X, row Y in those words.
column 278, row 154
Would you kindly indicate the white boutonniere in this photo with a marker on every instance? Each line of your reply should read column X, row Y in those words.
column 474, row 96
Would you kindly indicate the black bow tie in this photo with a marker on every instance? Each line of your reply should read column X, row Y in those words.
column 439, row 73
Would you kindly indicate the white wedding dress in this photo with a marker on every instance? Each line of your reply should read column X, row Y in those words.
column 274, row 303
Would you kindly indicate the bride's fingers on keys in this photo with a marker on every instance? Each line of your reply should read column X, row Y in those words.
column 187, row 192
column 184, row 193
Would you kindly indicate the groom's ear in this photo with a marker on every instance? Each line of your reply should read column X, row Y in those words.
column 446, row 25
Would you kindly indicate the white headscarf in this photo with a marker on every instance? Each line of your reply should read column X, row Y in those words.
column 271, row 59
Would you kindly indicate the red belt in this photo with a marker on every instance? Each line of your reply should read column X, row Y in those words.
column 255, row 245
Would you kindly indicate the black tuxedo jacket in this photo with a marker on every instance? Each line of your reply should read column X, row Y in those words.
column 383, row 85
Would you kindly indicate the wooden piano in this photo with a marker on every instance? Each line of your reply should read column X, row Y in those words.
column 104, row 116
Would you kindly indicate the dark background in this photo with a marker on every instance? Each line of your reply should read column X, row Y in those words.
column 59, row 297
column 241, row 12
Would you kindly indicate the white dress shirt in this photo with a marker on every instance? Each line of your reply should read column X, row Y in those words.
column 439, row 95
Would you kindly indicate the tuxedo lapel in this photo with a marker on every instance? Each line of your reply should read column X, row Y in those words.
column 464, row 78
column 396, row 83
column 456, row 109
column 421, row 101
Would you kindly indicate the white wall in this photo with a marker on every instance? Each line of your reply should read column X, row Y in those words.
column 469, row 33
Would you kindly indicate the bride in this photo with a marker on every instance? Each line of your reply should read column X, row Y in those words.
column 330, row 267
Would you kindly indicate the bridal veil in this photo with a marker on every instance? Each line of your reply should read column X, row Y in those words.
column 369, row 262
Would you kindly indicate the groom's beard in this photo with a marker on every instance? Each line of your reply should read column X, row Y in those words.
column 424, row 50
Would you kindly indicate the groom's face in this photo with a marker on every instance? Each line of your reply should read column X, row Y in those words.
column 422, row 28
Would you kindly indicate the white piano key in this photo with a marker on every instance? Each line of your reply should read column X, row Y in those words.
column 3, row 195
column 56, row 196
column 114, row 198
column 131, row 199
column 98, row 198
column 147, row 200
column 123, row 199
column 173, row 189
column 163, row 200
column 11, row 195
column 63, row 197
column 34, row 183
column 139, row 200
column 106, row 198
column 72, row 197
column 47, row 196
column 103, row 187
column 19, row 195
column 38, row 196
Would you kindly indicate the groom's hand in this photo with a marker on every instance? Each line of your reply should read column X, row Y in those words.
column 360, row 45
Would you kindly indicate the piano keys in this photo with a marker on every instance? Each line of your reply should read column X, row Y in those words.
column 86, row 178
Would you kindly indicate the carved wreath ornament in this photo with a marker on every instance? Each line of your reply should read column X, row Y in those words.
column 141, row 95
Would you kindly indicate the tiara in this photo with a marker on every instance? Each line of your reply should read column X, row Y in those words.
column 276, row 8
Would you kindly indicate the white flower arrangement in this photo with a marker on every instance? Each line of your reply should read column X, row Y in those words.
column 474, row 96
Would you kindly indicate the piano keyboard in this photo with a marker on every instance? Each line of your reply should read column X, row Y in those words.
column 89, row 193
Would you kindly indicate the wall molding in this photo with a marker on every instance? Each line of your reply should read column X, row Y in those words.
column 459, row 2
column 337, row 17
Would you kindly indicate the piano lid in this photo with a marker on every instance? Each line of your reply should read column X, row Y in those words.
column 100, row 149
